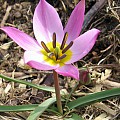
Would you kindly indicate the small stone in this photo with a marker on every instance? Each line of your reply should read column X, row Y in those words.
column 94, row 53
column 17, row 14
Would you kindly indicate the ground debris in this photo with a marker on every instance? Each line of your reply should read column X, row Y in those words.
column 103, row 61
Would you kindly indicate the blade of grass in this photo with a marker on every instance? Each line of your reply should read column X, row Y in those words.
column 41, row 108
column 95, row 97
column 18, row 108
column 40, row 87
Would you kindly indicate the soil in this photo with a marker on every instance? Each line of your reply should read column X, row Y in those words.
column 102, row 61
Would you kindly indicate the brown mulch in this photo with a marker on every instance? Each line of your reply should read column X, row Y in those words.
column 103, row 61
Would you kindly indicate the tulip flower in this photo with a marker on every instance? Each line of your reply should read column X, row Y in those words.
column 55, row 48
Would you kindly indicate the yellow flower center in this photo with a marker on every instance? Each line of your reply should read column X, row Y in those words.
column 56, row 53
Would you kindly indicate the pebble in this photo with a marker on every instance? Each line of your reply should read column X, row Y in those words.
column 17, row 14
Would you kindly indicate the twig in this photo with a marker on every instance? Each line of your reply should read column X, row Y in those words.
column 109, row 66
column 6, row 16
column 102, row 51
column 37, row 72
column 112, row 84
column 92, row 12
column 16, row 74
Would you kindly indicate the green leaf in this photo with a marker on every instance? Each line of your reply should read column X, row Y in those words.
column 95, row 97
column 74, row 117
column 54, row 110
column 40, row 87
column 41, row 108
column 21, row 108
column 18, row 108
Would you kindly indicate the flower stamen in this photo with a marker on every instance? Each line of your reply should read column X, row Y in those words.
column 54, row 40
column 67, row 47
column 64, row 41
column 63, row 56
column 45, row 47
column 57, row 52
column 51, row 55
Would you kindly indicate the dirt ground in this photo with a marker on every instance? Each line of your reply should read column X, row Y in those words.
column 102, row 61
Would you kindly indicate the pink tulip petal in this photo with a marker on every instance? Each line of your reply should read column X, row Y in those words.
column 75, row 21
column 21, row 38
column 35, row 60
column 46, row 21
column 68, row 70
column 83, row 44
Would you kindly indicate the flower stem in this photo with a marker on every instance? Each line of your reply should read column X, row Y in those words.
column 57, row 91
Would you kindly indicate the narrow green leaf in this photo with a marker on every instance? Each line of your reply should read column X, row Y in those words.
column 74, row 117
column 53, row 109
column 40, row 87
column 18, row 108
column 41, row 108
column 21, row 108
column 95, row 97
